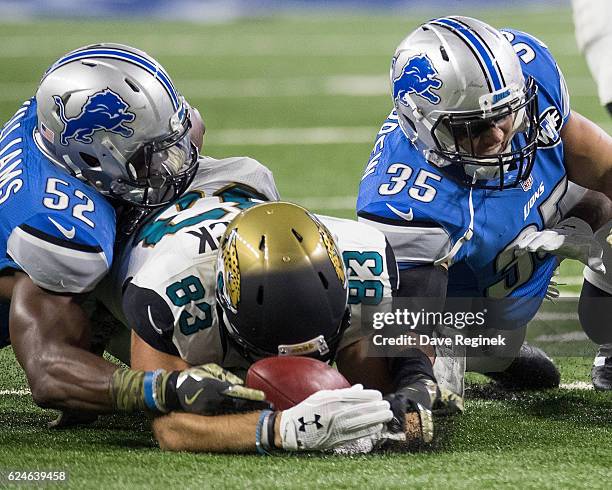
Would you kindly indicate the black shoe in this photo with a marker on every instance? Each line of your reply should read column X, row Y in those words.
column 602, row 375
column 532, row 369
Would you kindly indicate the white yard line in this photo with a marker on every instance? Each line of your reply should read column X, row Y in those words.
column 551, row 316
column 223, row 45
column 359, row 85
column 563, row 337
column 292, row 136
column 576, row 385
column 24, row 392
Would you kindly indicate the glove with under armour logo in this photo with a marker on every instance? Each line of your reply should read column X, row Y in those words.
column 330, row 418
column 572, row 238
column 209, row 390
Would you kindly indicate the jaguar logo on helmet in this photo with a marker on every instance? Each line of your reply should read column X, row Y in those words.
column 103, row 111
column 231, row 287
column 417, row 77
column 332, row 251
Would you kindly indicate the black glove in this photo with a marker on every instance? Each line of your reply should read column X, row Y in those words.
column 418, row 397
column 209, row 390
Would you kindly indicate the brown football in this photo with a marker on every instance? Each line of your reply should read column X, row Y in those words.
column 288, row 380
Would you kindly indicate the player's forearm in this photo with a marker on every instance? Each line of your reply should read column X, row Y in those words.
column 50, row 336
column 71, row 378
column 198, row 433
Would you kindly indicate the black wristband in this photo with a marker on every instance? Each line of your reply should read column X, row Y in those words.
column 411, row 366
column 171, row 400
column 270, row 429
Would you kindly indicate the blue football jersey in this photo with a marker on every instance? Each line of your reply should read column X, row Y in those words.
column 430, row 219
column 53, row 227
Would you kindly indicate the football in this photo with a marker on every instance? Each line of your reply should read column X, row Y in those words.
column 288, row 380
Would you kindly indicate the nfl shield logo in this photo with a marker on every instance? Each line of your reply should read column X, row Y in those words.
column 526, row 184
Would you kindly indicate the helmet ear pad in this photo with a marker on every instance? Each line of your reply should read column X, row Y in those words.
column 292, row 293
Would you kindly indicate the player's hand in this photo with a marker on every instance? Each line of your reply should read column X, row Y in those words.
column 330, row 418
column 571, row 238
column 609, row 239
column 210, row 390
column 418, row 398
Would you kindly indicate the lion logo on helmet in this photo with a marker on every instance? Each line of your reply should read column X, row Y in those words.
column 103, row 111
column 417, row 77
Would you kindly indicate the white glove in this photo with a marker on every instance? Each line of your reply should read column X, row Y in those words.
column 609, row 239
column 330, row 418
column 368, row 444
column 572, row 238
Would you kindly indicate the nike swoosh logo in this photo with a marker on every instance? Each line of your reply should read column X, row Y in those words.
column 68, row 233
column 192, row 399
column 407, row 216
column 155, row 327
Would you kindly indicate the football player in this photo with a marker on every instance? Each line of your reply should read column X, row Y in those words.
column 593, row 23
column 107, row 128
column 220, row 277
column 595, row 305
column 471, row 166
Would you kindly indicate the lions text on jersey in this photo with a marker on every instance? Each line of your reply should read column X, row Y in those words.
column 430, row 219
column 169, row 272
column 53, row 227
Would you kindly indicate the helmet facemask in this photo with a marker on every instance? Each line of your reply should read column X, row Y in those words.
column 160, row 171
column 318, row 347
column 454, row 135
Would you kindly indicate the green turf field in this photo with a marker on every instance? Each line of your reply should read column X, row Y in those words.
column 305, row 95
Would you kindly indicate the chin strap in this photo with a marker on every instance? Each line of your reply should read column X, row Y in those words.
column 448, row 258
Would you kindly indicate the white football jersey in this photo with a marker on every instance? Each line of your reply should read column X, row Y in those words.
column 169, row 274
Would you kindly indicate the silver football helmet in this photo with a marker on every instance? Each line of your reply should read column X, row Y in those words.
column 452, row 79
column 110, row 115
